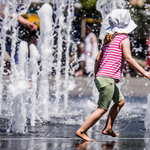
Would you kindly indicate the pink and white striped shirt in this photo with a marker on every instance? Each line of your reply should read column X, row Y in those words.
column 112, row 62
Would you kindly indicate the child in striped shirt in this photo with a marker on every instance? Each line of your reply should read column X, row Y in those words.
column 108, row 68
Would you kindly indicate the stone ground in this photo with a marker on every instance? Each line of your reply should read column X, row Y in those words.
column 61, row 136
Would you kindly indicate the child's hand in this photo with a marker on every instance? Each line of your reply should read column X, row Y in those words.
column 32, row 26
column 147, row 74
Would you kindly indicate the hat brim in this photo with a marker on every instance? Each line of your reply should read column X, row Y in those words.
column 131, row 26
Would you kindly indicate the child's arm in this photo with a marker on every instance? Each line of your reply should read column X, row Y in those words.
column 125, row 45
column 22, row 20
column 97, row 61
column 29, row 24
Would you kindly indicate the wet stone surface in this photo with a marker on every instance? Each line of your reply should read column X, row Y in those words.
column 58, row 133
column 58, row 136
column 62, row 136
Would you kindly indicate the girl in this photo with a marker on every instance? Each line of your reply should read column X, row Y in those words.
column 108, row 67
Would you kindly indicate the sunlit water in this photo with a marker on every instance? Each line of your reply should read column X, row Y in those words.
column 48, row 98
column 27, row 93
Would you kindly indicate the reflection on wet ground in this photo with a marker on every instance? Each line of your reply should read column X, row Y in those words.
column 108, row 145
column 53, row 136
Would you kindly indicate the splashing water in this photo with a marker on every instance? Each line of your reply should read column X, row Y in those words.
column 33, row 70
column 18, row 92
column 45, row 14
column 28, row 90
column 17, row 107
column 29, row 94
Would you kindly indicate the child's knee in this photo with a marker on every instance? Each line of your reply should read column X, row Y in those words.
column 121, row 103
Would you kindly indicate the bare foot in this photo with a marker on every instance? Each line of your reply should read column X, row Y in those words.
column 109, row 132
column 83, row 135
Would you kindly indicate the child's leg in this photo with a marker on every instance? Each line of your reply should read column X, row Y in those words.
column 111, row 118
column 91, row 120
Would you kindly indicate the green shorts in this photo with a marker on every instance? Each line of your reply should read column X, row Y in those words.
column 107, row 91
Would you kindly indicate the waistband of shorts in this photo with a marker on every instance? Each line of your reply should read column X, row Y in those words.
column 112, row 80
column 106, row 77
column 109, row 77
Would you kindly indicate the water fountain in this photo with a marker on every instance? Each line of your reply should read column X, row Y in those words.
column 32, row 98
column 36, row 94
column 18, row 76
column 28, row 91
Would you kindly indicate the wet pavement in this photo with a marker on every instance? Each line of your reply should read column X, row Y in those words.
column 62, row 137
column 59, row 132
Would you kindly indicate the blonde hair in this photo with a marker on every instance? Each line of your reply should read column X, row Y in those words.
column 108, row 38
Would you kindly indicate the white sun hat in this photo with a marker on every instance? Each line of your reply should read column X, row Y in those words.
column 120, row 21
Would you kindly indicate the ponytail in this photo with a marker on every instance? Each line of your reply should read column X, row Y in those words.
column 108, row 38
